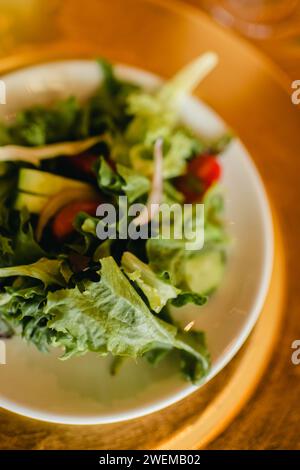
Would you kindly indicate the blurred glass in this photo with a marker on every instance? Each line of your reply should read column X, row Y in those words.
column 256, row 18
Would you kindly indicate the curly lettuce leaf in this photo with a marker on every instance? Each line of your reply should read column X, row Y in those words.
column 68, row 120
column 25, row 248
column 105, row 111
column 134, row 185
column 108, row 180
column 179, row 147
column 41, row 125
column 111, row 317
column 123, row 180
column 157, row 291
column 21, row 309
column 17, row 242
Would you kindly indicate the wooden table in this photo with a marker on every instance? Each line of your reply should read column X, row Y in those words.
column 271, row 418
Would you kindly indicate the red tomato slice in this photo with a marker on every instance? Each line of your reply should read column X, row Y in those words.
column 202, row 172
column 206, row 168
column 62, row 225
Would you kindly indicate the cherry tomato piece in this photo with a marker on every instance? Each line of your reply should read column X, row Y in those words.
column 202, row 172
column 206, row 168
column 62, row 225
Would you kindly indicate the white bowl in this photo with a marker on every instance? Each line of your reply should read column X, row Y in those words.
column 81, row 390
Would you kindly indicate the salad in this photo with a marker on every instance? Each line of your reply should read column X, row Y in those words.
column 61, row 285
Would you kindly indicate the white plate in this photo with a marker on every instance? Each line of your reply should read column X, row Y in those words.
column 81, row 390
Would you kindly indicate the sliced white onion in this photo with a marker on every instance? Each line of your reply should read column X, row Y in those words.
column 156, row 193
column 60, row 200
column 35, row 154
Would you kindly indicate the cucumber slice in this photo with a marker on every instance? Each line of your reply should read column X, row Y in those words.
column 45, row 184
column 32, row 202
column 204, row 272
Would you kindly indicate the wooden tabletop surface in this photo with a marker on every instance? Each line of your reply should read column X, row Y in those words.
column 271, row 418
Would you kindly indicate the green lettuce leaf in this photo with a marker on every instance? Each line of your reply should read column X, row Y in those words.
column 134, row 185
column 111, row 317
column 25, row 249
column 21, row 308
column 124, row 181
column 157, row 291
column 168, row 258
column 41, row 125
column 179, row 147
column 108, row 180
column 49, row 272
column 17, row 242
column 189, row 298
column 168, row 252
column 106, row 109
column 192, row 369
column 69, row 120
column 215, row 232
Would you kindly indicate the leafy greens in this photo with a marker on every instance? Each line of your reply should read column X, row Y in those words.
column 107, row 297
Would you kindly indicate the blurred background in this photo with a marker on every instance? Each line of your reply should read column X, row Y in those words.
column 272, row 25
